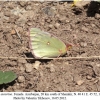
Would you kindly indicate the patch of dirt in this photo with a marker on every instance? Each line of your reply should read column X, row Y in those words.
column 78, row 26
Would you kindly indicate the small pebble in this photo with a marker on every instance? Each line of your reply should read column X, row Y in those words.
column 6, row 19
column 66, row 4
column 98, row 65
column 52, row 69
column 57, row 15
column 96, row 69
column 88, row 77
column 22, row 69
column 80, row 82
column 13, row 32
column 49, row 11
column 93, row 25
column 28, row 67
column 66, row 63
column 84, row 55
column 83, row 44
column 22, row 3
column 28, row 7
column 67, row 21
column 36, row 65
column 85, row 28
column 62, row 18
column 14, row 87
column 22, row 84
column 29, row 23
column 50, row 26
column 97, row 16
column 57, row 25
column 21, row 79
column 96, row 80
column 7, row 14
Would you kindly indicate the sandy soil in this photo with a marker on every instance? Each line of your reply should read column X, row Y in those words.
column 79, row 26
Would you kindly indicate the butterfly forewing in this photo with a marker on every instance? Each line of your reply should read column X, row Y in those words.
column 44, row 44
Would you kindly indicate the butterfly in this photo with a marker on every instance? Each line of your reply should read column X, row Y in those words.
column 45, row 45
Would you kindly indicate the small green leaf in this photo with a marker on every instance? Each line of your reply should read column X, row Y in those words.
column 1, row 77
column 7, row 77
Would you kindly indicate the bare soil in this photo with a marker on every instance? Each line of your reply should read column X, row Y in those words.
column 78, row 26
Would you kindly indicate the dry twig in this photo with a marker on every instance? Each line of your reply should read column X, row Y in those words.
column 18, row 35
column 66, row 58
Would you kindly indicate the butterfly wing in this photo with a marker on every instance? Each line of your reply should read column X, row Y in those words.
column 44, row 45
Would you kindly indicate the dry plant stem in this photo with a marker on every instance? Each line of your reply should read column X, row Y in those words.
column 18, row 35
column 67, row 58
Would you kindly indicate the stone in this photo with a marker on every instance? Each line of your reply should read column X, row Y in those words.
column 28, row 68
column 36, row 65
column 80, row 82
column 21, row 79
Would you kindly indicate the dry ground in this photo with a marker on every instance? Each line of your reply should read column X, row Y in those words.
column 79, row 26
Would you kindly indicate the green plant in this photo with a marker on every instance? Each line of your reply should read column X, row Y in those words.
column 7, row 77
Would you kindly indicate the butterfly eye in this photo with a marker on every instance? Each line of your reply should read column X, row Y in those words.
column 69, row 46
